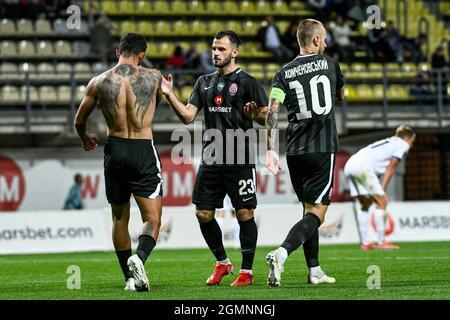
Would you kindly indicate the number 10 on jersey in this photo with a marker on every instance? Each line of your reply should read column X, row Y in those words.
column 315, row 101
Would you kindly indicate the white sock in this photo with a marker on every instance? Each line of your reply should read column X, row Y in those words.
column 379, row 222
column 226, row 261
column 363, row 223
column 316, row 272
column 247, row 271
column 283, row 254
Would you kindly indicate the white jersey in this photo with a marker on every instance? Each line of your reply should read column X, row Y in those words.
column 376, row 156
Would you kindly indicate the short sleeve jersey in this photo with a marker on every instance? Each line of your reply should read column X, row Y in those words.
column 308, row 85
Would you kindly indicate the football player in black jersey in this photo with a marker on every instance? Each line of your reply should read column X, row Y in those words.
column 307, row 86
column 231, row 99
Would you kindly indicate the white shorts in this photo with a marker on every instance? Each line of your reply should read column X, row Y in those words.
column 362, row 181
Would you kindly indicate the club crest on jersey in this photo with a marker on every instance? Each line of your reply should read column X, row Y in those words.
column 218, row 100
column 233, row 89
column 220, row 86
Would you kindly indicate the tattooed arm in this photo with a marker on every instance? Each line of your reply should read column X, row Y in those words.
column 186, row 113
column 272, row 159
column 88, row 104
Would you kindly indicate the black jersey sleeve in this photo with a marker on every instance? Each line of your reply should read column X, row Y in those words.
column 340, row 82
column 196, row 98
column 256, row 92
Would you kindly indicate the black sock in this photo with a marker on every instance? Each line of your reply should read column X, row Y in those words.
column 145, row 246
column 248, row 235
column 301, row 232
column 213, row 237
column 311, row 250
column 123, row 259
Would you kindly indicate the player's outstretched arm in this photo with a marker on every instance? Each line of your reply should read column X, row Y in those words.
column 389, row 172
column 271, row 124
column 253, row 112
column 89, row 140
column 186, row 113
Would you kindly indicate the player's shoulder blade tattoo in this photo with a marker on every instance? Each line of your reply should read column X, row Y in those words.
column 108, row 93
column 144, row 84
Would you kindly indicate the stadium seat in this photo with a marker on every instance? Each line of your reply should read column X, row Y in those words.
column 163, row 28
column 8, row 71
column 145, row 28
column 350, row 93
column 64, row 94
column 33, row 94
column 179, row 7
column 180, row 28
column 230, row 7
column 364, row 92
column 393, row 70
column 256, row 70
column 271, row 69
column 196, row 7
column 63, row 71
column 424, row 66
column 344, row 67
column 143, row 7
column 63, row 48
column 186, row 93
column 10, row 94
column 397, row 92
column 166, row 49
column 409, row 70
column 202, row 46
column 25, row 27
column 45, row 49
column 127, row 7
column 161, row 7
column 8, row 49
column 45, row 71
column 82, row 71
column 247, row 7
column 280, row 7
column 152, row 50
column 296, row 6
column 213, row 7
column 60, row 27
column 375, row 70
column 249, row 28
column 26, row 48
column 262, row 7
column 127, row 26
column 47, row 94
column 198, row 28
column 79, row 94
column 109, row 7
column 215, row 26
column 358, row 70
column 234, row 25
column 7, row 27
column 43, row 26
column 378, row 92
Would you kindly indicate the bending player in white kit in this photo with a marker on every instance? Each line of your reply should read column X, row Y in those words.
column 362, row 170
column 228, row 207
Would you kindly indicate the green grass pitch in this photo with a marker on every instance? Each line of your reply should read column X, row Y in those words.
column 416, row 271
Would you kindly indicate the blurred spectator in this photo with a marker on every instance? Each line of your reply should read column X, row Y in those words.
column 440, row 65
column 332, row 48
column 392, row 36
column 74, row 200
column 415, row 46
column 102, row 40
column 56, row 8
column 206, row 61
column 11, row 9
column 378, row 48
column 32, row 9
column 341, row 34
column 269, row 37
column 290, row 39
column 421, row 89
column 175, row 63
column 192, row 57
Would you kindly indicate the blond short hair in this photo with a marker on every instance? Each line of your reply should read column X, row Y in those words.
column 306, row 30
column 404, row 131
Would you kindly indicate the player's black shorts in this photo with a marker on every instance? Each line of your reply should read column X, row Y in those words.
column 312, row 176
column 213, row 182
column 132, row 166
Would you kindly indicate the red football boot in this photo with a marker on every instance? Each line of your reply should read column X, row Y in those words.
column 387, row 246
column 220, row 271
column 244, row 279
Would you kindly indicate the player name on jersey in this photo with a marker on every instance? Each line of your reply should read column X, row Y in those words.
column 309, row 67
column 219, row 109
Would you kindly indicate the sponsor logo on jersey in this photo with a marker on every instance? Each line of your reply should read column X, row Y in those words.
column 219, row 109
column 220, row 86
column 218, row 100
column 233, row 89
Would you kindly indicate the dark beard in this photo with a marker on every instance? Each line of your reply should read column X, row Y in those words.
column 224, row 64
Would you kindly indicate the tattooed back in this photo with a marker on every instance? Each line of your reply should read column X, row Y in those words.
column 128, row 96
